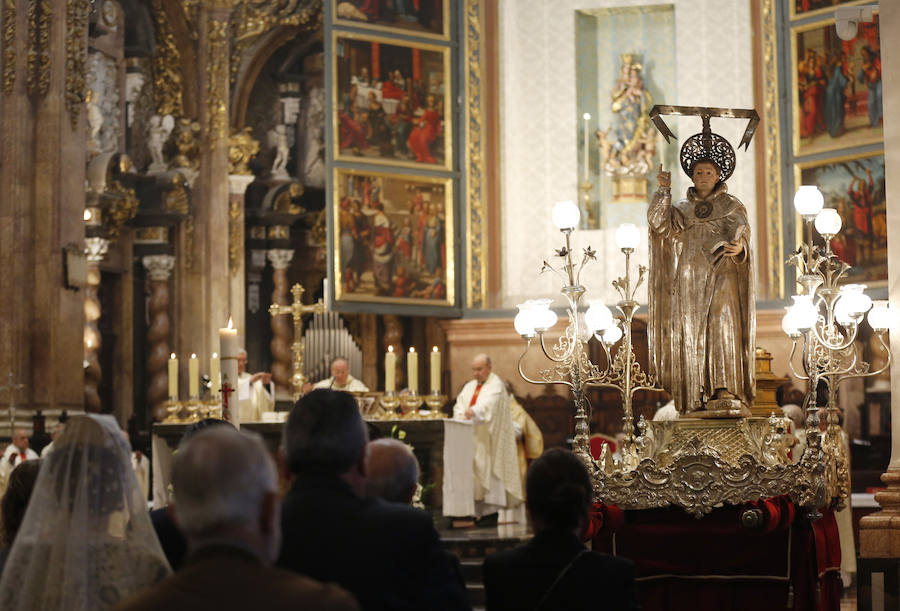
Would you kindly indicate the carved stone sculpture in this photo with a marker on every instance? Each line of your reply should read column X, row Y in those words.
column 157, row 133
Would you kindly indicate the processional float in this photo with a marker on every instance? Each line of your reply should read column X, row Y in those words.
column 718, row 451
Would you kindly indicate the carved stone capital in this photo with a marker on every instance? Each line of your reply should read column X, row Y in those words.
column 95, row 249
column 159, row 266
column 237, row 183
column 280, row 258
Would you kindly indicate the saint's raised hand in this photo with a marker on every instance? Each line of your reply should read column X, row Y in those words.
column 664, row 178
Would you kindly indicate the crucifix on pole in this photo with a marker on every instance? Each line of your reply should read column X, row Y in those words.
column 12, row 387
column 297, row 310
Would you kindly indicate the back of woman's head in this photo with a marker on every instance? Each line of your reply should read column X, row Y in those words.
column 558, row 489
column 15, row 500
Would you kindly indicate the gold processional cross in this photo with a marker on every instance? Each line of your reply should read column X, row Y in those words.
column 12, row 387
column 297, row 310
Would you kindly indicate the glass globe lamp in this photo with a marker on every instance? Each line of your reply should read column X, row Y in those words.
column 628, row 236
column 566, row 215
column 808, row 201
column 857, row 302
column 543, row 316
column 880, row 315
column 612, row 335
column 789, row 323
column 805, row 312
column 598, row 316
column 524, row 321
column 828, row 222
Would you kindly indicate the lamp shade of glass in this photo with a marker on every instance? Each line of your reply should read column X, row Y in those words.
column 566, row 215
column 524, row 320
column 804, row 312
column 808, row 201
column 857, row 302
column 612, row 335
column 628, row 236
column 542, row 316
column 598, row 317
column 842, row 313
column 828, row 222
column 880, row 315
column 789, row 323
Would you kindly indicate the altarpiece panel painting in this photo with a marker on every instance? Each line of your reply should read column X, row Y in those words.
column 836, row 88
column 393, row 238
column 807, row 8
column 854, row 186
column 390, row 102
column 413, row 17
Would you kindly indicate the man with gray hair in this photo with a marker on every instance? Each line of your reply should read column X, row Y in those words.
column 392, row 471
column 388, row 555
column 228, row 508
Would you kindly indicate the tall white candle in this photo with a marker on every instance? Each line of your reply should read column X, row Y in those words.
column 215, row 381
column 173, row 377
column 194, row 376
column 390, row 370
column 435, row 371
column 228, row 349
column 412, row 370
column 587, row 118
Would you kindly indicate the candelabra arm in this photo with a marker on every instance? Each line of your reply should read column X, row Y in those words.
column 532, row 380
column 794, row 371
column 547, row 354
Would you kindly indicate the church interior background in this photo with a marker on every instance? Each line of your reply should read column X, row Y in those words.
column 169, row 165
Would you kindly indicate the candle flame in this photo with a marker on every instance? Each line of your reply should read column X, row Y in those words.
column 434, row 349
column 587, row 116
column 215, row 355
column 390, row 348
column 173, row 356
column 411, row 349
column 230, row 323
column 193, row 356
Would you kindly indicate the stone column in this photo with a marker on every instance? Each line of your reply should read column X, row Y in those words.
column 95, row 250
column 879, row 533
column 282, row 331
column 159, row 268
column 237, row 186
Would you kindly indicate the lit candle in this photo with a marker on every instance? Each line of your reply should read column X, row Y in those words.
column 228, row 349
column 173, row 377
column 435, row 371
column 587, row 118
column 194, row 376
column 412, row 371
column 214, row 375
column 390, row 370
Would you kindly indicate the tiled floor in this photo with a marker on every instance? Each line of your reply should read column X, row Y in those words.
column 848, row 600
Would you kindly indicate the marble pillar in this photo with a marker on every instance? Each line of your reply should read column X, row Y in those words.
column 282, row 331
column 159, row 268
column 237, row 186
column 42, row 204
column 879, row 533
column 95, row 250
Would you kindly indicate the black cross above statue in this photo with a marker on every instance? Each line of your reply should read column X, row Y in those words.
column 12, row 387
column 297, row 311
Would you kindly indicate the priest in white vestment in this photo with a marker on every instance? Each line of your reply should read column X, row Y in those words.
column 256, row 393
column 16, row 452
column 340, row 378
column 485, row 402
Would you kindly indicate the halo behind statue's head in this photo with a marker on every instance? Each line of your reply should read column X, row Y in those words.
column 708, row 147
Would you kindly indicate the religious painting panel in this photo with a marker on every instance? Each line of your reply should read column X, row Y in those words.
column 429, row 18
column 393, row 241
column 808, row 8
column 392, row 100
column 854, row 186
column 837, row 99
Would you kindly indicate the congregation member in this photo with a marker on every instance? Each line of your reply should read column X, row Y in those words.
column 256, row 393
column 16, row 452
column 14, row 502
column 392, row 471
column 54, row 433
column 554, row 571
column 340, row 379
column 86, row 541
column 387, row 555
column 228, row 508
column 485, row 402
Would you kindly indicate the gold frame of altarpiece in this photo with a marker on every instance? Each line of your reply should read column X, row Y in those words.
column 392, row 30
column 820, row 11
column 449, row 238
column 338, row 37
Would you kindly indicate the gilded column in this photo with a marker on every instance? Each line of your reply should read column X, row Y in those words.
column 280, row 346
column 159, row 268
column 241, row 149
column 95, row 251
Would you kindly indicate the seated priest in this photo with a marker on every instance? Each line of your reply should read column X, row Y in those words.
column 256, row 393
column 485, row 402
column 340, row 379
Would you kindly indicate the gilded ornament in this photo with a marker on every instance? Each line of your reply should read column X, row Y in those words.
column 217, row 82
column 176, row 198
column 39, row 14
column 241, row 149
column 319, row 231
column 77, row 12
column 189, row 242
column 165, row 65
column 235, row 243
column 772, row 150
column 279, row 232
column 475, row 168
column 284, row 201
column 186, row 135
column 9, row 45
column 121, row 208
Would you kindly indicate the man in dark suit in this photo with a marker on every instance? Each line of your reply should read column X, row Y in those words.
column 554, row 570
column 228, row 509
column 388, row 555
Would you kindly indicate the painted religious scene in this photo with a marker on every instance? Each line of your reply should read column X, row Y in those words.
column 855, row 188
column 427, row 17
column 394, row 241
column 837, row 88
column 390, row 103
column 803, row 8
